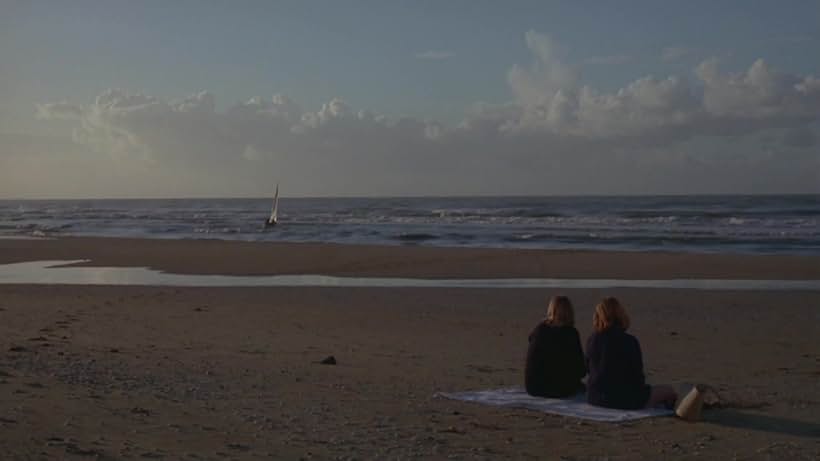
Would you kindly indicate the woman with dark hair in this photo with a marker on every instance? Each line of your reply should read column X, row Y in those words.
column 616, row 377
column 555, row 361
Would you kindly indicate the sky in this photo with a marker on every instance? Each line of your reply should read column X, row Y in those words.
column 391, row 98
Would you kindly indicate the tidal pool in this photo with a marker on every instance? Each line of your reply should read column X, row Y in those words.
column 56, row 272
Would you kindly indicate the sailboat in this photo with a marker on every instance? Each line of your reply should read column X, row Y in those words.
column 273, row 220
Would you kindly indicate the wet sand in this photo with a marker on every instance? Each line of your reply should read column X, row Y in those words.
column 256, row 258
column 232, row 373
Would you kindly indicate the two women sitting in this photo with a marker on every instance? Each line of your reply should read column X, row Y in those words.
column 555, row 363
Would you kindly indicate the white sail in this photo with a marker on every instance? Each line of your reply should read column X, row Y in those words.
column 275, row 210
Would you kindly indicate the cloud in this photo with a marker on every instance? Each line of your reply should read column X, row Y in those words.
column 435, row 55
column 59, row 110
column 758, row 93
column 548, row 78
column 675, row 53
column 202, row 102
column 551, row 98
column 556, row 135
column 608, row 60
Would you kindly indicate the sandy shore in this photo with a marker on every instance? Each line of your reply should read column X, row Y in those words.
column 231, row 373
column 248, row 258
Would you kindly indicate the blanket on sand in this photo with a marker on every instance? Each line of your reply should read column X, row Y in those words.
column 576, row 406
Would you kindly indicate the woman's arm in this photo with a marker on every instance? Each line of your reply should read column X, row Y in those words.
column 636, row 360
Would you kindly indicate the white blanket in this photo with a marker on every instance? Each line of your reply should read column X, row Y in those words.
column 576, row 407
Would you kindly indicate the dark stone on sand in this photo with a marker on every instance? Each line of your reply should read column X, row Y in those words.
column 18, row 349
column 673, row 333
column 75, row 450
column 113, row 350
column 329, row 360
column 238, row 446
column 141, row 411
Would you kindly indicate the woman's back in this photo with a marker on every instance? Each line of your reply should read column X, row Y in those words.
column 555, row 361
column 616, row 377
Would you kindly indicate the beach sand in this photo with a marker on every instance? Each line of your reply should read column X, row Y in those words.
column 126, row 372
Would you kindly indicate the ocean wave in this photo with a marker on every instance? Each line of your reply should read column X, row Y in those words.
column 495, row 213
column 415, row 237
column 771, row 224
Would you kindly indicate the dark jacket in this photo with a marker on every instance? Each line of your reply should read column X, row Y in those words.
column 555, row 362
column 616, row 378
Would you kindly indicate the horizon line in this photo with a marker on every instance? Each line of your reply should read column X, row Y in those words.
column 454, row 196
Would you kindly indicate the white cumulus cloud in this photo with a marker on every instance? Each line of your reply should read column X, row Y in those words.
column 556, row 135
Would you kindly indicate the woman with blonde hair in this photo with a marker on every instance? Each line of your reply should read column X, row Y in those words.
column 616, row 377
column 555, row 361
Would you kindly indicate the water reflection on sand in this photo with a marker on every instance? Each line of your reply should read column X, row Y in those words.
column 56, row 272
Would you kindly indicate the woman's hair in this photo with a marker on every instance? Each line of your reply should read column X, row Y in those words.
column 560, row 313
column 608, row 313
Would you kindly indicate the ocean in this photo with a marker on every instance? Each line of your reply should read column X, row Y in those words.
column 773, row 224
